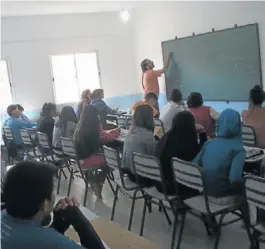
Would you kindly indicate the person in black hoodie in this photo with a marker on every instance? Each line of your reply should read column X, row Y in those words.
column 46, row 121
column 181, row 142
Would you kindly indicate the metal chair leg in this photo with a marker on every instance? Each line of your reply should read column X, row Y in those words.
column 166, row 214
column 246, row 219
column 256, row 243
column 111, row 186
column 70, row 181
column 59, row 181
column 86, row 182
column 174, row 231
column 114, row 202
column 181, row 229
column 159, row 207
column 206, row 224
column 218, row 235
column 71, row 171
column 143, row 217
column 132, row 210
column 149, row 204
column 64, row 174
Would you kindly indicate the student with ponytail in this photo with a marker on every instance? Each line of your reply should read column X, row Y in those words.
column 150, row 77
column 255, row 115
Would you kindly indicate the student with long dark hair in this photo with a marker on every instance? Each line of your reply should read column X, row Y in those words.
column 85, row 101
column 255, row 115
column 46, row 121
column 205, row 116
column 65, row 126
column 89, row 137
column 181, row 142
column 139, row 139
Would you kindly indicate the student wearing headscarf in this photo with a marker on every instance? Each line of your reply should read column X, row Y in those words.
column 222, row 158
column 181, row 142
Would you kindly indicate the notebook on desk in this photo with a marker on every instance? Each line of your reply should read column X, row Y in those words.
column 253, row 152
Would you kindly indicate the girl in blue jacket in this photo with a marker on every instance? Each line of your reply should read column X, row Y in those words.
column 222, row 158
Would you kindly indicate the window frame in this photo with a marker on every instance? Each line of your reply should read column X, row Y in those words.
column 9, row 75
column 78, row 86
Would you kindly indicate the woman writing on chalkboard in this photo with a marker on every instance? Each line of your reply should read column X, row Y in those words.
column 150, row 77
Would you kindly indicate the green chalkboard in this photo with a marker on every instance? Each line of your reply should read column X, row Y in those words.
column 222, row 65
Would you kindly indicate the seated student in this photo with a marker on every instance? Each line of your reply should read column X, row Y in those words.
column 22, row 116
column 149, row 99
column 46, row 121
column 181, row 142
column 204, row 115
column 85, row 101
column 65, row 126
column 139, row 139
column 29, row 198
column 255, row 115
column 172, row 108
column 15, row 123
column 223, row 157
column 100, row 105
column 89, row 137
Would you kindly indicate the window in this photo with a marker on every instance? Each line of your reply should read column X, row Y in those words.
column 6, row 98
column 73, row 73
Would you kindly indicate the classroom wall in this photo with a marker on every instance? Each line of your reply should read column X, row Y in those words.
column 27, row 43
column 157, row 22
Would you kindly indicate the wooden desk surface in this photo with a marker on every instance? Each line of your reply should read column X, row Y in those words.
column 116, row 237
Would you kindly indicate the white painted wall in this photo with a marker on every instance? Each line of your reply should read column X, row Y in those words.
column 160, row 21
column 27, row 42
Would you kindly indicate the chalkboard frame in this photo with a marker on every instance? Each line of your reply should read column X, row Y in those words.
column 214, row 31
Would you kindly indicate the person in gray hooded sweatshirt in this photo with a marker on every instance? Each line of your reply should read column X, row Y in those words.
column 140, row 139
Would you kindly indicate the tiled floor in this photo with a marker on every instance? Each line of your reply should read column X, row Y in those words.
column 156, row 227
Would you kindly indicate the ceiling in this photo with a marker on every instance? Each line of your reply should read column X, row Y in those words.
column 37, row 7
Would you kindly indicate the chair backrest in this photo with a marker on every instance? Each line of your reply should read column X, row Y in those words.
column 159, row 124
column 113, row 161
column 68, row 147
column 112, row 158
column 248, row 135
column 147, row 166
column 25, row 137
column 8, row 134
column 128, row 122
column 121, row 122
column 255, row 191
column 188, row 174
column 43, row 143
